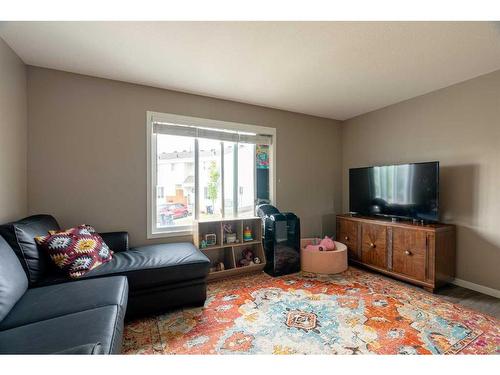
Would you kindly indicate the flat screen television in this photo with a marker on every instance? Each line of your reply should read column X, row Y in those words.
column 406, row 191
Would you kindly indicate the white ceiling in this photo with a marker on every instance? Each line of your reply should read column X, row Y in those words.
column 330, row 69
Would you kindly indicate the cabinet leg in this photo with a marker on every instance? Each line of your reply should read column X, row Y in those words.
column 429, row 289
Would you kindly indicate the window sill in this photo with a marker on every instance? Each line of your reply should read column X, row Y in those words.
column 170, row 234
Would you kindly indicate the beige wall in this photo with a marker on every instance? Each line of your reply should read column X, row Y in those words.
column 13, row 137
column 87, row 151
column 460, row 127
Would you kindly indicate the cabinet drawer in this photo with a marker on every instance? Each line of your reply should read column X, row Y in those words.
column 348, row 235
column 409, row 253
column 373, row 245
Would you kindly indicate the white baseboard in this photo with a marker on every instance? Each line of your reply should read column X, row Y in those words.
column 478, row 288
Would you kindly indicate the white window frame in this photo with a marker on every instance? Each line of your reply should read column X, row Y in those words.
column 151, row 117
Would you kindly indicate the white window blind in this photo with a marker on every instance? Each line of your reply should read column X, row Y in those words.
column 211, row 133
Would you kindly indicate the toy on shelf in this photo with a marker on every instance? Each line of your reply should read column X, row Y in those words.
column 218, row 266
column 211, row 239
column 230, row 236
column 247, row 234
column 256, row 260
column 247, row 258
column 326, row 244
column 203, row 244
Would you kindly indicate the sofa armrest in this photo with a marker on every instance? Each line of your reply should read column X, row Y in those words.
column 117, row 241
column 86, row 349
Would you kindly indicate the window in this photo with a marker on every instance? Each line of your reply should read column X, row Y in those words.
column 210, row 203
column 205, row 170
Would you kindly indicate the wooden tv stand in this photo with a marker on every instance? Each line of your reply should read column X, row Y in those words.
column 421, row 254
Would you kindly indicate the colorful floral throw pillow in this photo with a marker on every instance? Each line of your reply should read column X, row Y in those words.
column 77, row 250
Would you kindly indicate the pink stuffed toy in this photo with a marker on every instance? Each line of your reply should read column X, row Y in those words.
column 326, row 244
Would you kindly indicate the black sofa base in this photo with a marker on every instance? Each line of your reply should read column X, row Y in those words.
column 192, row 293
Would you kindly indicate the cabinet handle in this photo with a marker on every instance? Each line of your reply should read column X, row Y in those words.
column 346, row 238
column 372, row 245
column 407, row 252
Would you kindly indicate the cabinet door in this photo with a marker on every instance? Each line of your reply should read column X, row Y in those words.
column 409, row 252
column 373, row 245
column 348, row 235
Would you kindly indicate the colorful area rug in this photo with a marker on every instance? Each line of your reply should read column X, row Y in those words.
column 355, row 312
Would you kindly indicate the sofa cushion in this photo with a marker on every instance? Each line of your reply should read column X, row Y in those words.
column 155, row 265
column 117, row 241
column 102, row 324
column 13, row 281
column 21, row 237
column 54, row 301
column 80, row 229
column 75, row 251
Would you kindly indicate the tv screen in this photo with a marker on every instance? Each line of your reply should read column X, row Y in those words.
column 409, row 191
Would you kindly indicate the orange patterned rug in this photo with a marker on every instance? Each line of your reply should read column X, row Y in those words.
column 355, row 312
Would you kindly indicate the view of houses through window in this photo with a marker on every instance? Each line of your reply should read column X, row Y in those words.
column 226, row 173
column 175, row 180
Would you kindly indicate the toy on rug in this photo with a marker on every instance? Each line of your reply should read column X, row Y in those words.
column 247, row 234
column 326, row 244
column 248, row 258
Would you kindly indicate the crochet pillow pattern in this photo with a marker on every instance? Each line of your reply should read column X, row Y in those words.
column 76, row 251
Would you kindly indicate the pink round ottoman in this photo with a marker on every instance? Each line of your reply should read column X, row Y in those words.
column 323, row 262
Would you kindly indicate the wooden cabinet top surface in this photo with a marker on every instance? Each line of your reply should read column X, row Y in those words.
column 432, row 227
